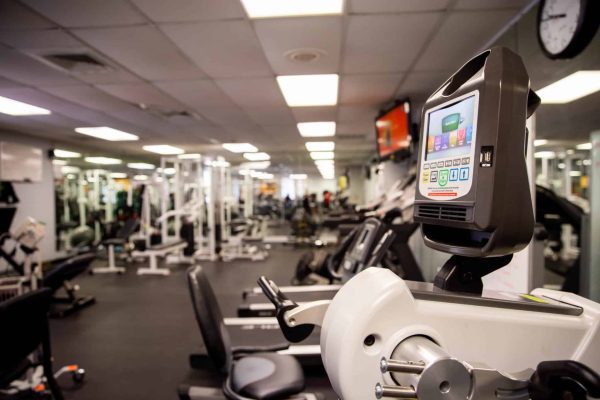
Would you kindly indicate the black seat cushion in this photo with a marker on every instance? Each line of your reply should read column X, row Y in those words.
column 114, row 241
column 267, row 376
column 67, row 270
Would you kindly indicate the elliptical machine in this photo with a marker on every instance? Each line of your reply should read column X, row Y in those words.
column 382, row 336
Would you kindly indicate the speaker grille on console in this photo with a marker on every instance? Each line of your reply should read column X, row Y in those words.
column 444, row 212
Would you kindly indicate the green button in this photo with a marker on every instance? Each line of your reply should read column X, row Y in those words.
column 443, row 177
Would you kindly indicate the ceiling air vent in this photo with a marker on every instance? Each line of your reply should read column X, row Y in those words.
column 303, row 56
column 76, row 63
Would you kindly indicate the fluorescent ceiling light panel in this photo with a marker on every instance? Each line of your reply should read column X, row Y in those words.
column 18, row 108
column 59, row 162
column 298, row 176
column 103, row 160
column 118, row 175
column 189, row 156
column 540, row 142
column 106, row 133
column 320, row 146
column 584, row 146
column 140, row 177
column 240, row 147
column 140, row 165
column 322, row 155
column 309, row 90
column 323, row 163
column 570, row 88
column 545, row 154
column 69, row 170
column 66, row 154
column 169, row 171
column 220, row 163
column 292, row 8
column 257, row 156
column 316, row 129
column 163, row 149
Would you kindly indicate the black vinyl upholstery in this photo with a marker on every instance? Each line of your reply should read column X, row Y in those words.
column 257, row 375
column 67, row 270
column 210, row 320
column 267, row 376
column 24, row 327
column 123, row 234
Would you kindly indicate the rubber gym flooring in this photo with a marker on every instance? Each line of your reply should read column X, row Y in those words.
column 135, row 341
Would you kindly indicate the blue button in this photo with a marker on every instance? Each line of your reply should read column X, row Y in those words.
column 454, row 174
column 464, row 174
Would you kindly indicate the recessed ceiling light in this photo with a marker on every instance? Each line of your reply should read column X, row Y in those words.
column 584, row 146
column 220, row 163
column 292, row 8
column 545, row 154
column 317, row 129
column 240, row 147
column 163, row 149
column 309, row 90
column 570, row 88
column 140, row 177
column 106, row 133
column 261, row 175
column 189, row 156
column 298, row 176
column 256, row 165
column 245, row 172
column 320, row 146
column 18, row 108
column 540, row 142
column 118, row 175
column 575, row 173
column 257, row 156
column 103, row 160
column 140, row 165
column 59, row 162
column 323, row 163
column 322, row 155
column 65, row 154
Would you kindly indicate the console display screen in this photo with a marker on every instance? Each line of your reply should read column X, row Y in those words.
column 450, row 130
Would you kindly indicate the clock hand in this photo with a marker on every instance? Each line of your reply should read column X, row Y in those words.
column 555, row 16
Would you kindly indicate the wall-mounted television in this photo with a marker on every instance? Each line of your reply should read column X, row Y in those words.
column 392, row 130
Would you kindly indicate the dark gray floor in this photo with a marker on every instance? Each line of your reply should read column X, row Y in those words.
column 134, row 343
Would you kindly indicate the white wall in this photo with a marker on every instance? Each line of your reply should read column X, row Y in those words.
column 36, row 199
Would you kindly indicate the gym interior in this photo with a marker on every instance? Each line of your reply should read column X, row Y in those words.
column 299, row 199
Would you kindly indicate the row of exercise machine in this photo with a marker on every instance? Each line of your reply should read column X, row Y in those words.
column 363, row 312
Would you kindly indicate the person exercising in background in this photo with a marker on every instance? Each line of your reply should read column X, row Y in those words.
column 326, row 199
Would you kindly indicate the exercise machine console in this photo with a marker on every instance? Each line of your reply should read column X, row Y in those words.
column 383, row 337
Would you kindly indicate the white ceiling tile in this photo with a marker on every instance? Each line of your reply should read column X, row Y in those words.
column 190, row 10
column 68, row 109
column 21, row 68
column 88, row 96
column 368, row 89
column 14, row 15
column 281, row 35
column 39, row 39
column 142, row 49
column 224, row 49
column 396, row 6
column 307, row 114
column 7, row 83
column 420, row 85
column 253, row 92
column 227, row 116
column 357, row 113
column 88, row 13
column 489, row 4
column 270, row 115
column 145, row 122
column 364, row 127
column 197, row 94
column 465, row 38
column 386, row 43
column 142, row 93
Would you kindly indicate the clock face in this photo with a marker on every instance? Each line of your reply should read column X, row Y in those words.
column 558, row 24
